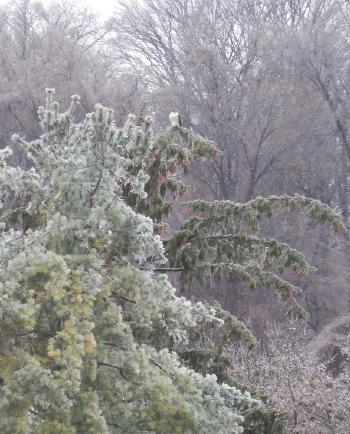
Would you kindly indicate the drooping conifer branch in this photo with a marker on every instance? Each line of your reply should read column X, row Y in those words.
column 223, row 239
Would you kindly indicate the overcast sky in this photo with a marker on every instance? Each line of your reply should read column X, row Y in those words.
column 103, row 7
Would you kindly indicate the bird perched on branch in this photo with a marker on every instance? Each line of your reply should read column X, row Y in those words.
column 175, row 119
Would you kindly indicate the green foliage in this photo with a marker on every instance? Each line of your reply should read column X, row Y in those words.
column 165, row 162
column 222, row 238
column 89, row 330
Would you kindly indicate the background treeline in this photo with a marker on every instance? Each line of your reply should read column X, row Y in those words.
column 267, row 80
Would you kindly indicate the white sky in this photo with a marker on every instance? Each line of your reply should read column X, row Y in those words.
column 103, row 7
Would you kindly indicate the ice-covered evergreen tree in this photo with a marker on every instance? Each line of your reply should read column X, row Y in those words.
column 93, row 338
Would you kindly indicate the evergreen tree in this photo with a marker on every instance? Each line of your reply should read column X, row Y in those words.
column 93, row 338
